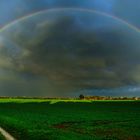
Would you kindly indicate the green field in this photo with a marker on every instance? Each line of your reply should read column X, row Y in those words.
column 31, row 119
column 2, row 137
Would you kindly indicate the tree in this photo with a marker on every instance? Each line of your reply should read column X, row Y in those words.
column 81, row 96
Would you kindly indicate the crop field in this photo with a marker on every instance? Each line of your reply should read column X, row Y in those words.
column 34, row 119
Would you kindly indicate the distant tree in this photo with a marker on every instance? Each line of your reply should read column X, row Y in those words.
column 125, row 98
column 81, row 96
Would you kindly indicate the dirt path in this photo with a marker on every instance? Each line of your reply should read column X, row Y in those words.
column 6, row 134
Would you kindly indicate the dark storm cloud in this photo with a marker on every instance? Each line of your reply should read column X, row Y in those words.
column 64, row 53
column 70, row 52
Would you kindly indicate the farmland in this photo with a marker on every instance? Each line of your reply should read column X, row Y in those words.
column 35, row 119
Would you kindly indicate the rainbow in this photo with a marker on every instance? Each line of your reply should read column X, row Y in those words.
column 75, row 9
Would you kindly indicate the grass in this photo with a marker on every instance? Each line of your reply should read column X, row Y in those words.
column 36, row 119
column 2, row 137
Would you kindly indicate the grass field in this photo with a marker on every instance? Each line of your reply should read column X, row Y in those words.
column 33, row 119
column 1, row 137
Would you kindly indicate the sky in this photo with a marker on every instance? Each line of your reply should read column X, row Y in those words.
column 126, row 9
column 69, row 50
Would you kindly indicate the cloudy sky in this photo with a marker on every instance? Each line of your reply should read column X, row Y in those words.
column 90, row 47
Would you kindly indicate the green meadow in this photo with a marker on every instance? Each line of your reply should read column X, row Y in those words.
column 40, row 119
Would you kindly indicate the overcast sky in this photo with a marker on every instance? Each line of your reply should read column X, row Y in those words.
column 126, row 9
column 68, row 52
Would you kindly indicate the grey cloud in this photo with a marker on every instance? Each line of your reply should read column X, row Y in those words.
column 58, row 55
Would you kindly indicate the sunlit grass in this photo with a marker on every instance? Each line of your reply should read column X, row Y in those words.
column 52, row 101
